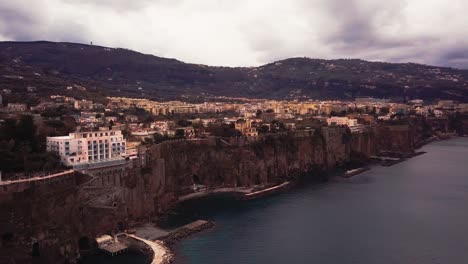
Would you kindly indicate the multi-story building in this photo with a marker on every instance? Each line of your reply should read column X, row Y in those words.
column 245, row 127
column 89, row 148
column 17, row 107
column 343, row 121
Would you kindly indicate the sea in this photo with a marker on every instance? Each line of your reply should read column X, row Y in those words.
column 414, row 212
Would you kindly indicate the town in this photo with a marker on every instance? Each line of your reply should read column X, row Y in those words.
column 60, row 132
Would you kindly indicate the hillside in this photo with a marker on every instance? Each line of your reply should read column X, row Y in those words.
column 51, row 67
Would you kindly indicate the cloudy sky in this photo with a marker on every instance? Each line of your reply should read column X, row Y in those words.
column 252, row 32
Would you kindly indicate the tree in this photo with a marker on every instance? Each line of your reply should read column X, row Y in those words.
column 223, row 130
column 180, row 133
column 158, row 138
column 384, row 110
column 26, row 132
column 183, row 123
column 263, row 129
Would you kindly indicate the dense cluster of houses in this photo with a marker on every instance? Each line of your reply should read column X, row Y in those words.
column 114, row 131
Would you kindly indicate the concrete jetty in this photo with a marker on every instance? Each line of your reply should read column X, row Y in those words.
column 354, row 172
column 266, row 191
column 205, row 193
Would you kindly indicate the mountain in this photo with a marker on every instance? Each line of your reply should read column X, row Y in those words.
column 51, row 67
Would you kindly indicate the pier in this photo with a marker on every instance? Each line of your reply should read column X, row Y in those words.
column 354, row 172
column 111, row 246
column 208, row 192
column 266, row 191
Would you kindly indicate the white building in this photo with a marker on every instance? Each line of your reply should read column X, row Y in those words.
column 83, row 149
column 341, row 121
column 17, row 107
column 345, row 121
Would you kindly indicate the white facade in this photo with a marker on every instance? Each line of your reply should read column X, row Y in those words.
column 342, row 121
column 345, row 121
column 17, row 107
column 89, row 147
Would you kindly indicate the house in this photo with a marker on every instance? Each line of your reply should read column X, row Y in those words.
column 189, row 132
column 31, row 89
column 245, row 127
column 17, row 107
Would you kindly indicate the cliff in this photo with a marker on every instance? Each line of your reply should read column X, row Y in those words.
column 51, row 220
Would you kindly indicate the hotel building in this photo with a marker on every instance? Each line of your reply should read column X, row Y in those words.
column 83, row 150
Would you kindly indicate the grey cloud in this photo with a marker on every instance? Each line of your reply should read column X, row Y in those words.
column 19, row 21
column 454, row 56
column 359, row 25
column 259, row 31
column 457, row 53
column 123, row 5
column 25, row 21
column 68, row 31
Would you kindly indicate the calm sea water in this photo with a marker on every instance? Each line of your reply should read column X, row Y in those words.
column 413, row 212
column 125, row 258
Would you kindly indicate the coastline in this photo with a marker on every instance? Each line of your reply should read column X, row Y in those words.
column 282, row 186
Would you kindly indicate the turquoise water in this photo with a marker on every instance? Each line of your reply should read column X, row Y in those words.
column 413, row 212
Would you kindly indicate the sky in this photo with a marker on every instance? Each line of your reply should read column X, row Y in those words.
column 251, row 32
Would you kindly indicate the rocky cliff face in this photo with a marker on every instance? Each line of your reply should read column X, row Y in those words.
column 40, row 220
column 55, row 220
